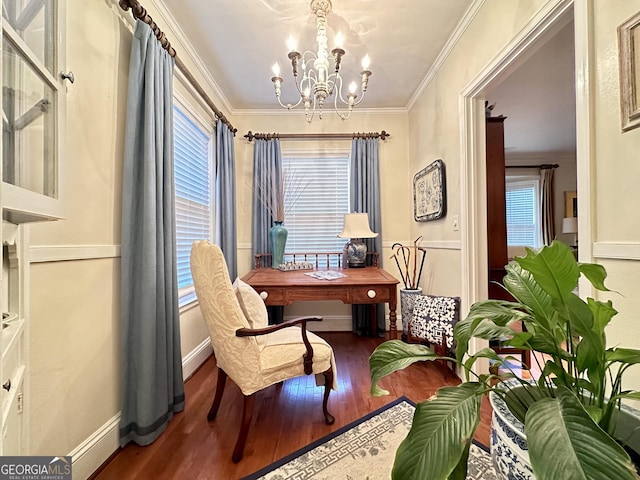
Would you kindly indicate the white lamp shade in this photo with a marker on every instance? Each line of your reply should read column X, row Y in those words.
column 570, row 225
column 356, row 225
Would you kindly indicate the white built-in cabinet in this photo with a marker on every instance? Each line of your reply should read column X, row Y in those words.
column 33, row 92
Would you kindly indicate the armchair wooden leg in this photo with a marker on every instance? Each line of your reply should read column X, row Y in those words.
column 328, row 382
column 222, row 380
column 247, row 414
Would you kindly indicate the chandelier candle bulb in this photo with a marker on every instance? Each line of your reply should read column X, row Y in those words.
column 366, row 61
column 321, row 80
column 292, row 44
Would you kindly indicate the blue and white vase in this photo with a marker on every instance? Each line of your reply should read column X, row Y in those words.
column 509, row 450
column 278, row 237
column 407, row 302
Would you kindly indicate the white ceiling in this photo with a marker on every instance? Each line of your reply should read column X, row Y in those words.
column 239, row 40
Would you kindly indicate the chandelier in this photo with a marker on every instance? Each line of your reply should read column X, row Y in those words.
column 317, row 84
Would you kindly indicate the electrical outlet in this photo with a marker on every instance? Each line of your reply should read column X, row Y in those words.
column 455, row 223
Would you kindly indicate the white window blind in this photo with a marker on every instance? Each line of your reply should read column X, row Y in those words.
column 317, row 215
column 523, row 213
column 194, row 209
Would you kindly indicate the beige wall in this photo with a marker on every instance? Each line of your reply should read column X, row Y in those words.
column 395, row 196
column 435, row 126
column 616, row 172
column 75, row 303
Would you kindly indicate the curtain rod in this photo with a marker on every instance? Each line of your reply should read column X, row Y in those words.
column 312, row 136
column 138, row 11
column 544, row 166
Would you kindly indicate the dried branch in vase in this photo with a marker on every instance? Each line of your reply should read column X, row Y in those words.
column 279, row 195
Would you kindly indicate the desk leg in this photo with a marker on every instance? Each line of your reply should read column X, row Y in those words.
column 393, row 328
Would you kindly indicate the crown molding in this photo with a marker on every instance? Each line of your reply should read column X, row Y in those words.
column 190, row 51
column 462, row 26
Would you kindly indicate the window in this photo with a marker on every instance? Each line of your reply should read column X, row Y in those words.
column 194, row 193
column 317, row 215
column 523, row 212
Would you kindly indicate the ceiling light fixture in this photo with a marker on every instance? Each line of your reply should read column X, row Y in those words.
column 317, row 84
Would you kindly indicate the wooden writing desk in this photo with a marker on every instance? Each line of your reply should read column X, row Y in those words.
column 368, row 285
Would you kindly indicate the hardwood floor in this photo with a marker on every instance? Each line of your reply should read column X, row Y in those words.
column 285, row 419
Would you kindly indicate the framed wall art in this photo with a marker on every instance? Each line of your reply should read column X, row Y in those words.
column 570, row 204
column 629, row 59
column 429, row 193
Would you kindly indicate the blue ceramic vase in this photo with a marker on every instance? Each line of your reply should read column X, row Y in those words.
column 278, row 236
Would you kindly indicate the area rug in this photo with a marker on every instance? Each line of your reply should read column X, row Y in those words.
column 363, row 450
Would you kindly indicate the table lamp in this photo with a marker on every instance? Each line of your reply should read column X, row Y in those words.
column 356, row 227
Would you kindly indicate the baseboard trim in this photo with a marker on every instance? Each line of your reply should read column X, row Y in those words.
column 337, row 323
column 192, row 361
column 95, row 450
column 91, row 454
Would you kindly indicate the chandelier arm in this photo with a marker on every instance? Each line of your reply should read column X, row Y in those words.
column 339, row 94
column 289, row 106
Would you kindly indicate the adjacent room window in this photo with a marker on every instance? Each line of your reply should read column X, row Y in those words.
column 523, row 212
column 317, row 215
column 193, row 146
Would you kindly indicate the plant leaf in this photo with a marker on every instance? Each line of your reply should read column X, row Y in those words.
column 580, row 449
column 440, row 434
column 603, row 312
column 630, row 356
column 595, row 274
column 629, row 395
column 523, row 286
column 554, row 268
column 499, row 312
column 392, row 356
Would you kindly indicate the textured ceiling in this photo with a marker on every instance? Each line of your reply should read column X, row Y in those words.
column 239, row 40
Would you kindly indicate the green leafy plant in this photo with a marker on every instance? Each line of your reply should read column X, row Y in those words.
column 569, row 413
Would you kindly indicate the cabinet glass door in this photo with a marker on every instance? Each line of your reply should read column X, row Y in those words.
column 29, row 96
column 33, row 22
column 28, row 107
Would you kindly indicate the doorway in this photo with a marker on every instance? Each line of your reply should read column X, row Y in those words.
column 473, row 172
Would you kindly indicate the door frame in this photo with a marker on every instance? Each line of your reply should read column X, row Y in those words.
column 547, row 22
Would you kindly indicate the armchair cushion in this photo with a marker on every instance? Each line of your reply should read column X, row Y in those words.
column 434, row 316
column 253, row 308
column 280, row 359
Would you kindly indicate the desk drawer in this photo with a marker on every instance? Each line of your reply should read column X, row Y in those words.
column 272, row 296
column 373, row 294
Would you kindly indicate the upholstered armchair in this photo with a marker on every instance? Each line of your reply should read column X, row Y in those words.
column 247, row 350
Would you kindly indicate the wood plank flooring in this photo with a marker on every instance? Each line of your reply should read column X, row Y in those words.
column 285, row 419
